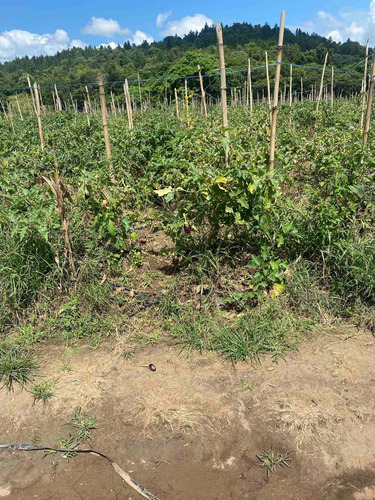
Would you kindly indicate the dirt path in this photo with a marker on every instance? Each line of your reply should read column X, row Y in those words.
column 192, row 429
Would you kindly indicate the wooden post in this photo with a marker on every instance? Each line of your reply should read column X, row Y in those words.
column 332, row 87
column 103, row 106
column 140, row 93
column 369, row 102
column 19, row 109
column 58, row 100
column 249, row 84
column 268, row 86
column 321, row 85
column 223, row 87
column 32, row 94
column 301, row 89
column 202, row 92
column 186, row 94
column 364, row 88
column 86, row 112
column 10, row 116
column 36, row 96
column 88, row 99
column 176, row 100
column 128, row 104
column 276, row 90
column 291, row 85
column 113, row 104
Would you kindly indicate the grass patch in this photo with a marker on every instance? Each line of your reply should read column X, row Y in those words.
column 269, row 460
column 42, row 391
column 16, row 368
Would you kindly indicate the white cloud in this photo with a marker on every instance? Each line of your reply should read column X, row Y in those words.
column 104, row 27
column 139, row 37
column 187, row 24
column 78, row 43
column 113, row 45
column 335, row 35
column 162, row 17
column 19, row 43
column 358, row 25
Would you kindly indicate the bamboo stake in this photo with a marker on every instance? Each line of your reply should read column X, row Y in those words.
column 268, row 86
column 202, row 92
column 140, row 93
column 364, row 88
column 103, row 106
column 87, row 112
column 113, row 106
column 58, row 100
column 276, row 90
column 19, row 109
column 176, row 100
column 223, row 87
column 10, row 116
column 321, row 85
column 291, row 85
column 249, row 85
column 369, row 102
column 36, row 96
column 88, row 99
column 128, row 104
column 301, row 89
column 332, row 88
column 32, row 94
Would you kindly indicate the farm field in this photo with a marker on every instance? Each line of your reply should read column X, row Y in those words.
column 251, row 290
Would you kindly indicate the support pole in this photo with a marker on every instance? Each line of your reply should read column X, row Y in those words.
column 103, row 106
column 223, row 88
column 276, row 90
column 369, row 102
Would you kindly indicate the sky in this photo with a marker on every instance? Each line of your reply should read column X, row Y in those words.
column 44, row 27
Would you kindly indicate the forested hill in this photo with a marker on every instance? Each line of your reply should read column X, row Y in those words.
column 176, row 56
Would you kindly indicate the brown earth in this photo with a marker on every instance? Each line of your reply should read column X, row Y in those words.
column 192, row 430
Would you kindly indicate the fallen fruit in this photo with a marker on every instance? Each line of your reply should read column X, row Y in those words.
column 142, row 240
column 152, row 367
column 175, row 261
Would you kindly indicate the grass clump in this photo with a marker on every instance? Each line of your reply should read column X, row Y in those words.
column 42, row 391
column 269, row 459
column 16, row 368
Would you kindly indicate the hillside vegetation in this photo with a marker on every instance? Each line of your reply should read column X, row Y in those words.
column 177, row 57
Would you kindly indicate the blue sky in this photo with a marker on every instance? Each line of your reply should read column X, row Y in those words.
column 43, row 27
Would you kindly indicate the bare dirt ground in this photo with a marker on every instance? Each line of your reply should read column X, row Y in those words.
column 192, row 429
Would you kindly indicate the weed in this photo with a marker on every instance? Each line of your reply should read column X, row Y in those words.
column 83, row 425
column 128, row 354
column 270, row 459
column 43, row 390
column 69, row 443
column 16, row 368
column 65, row 367
column 247, row 386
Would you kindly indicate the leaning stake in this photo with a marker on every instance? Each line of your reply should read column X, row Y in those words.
column 321, row 86
column 203, row 92
column 369, row 101
column 36, row 96
column 223, row 88
column 364, row 88
column 276, row 91
column 103, row 106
